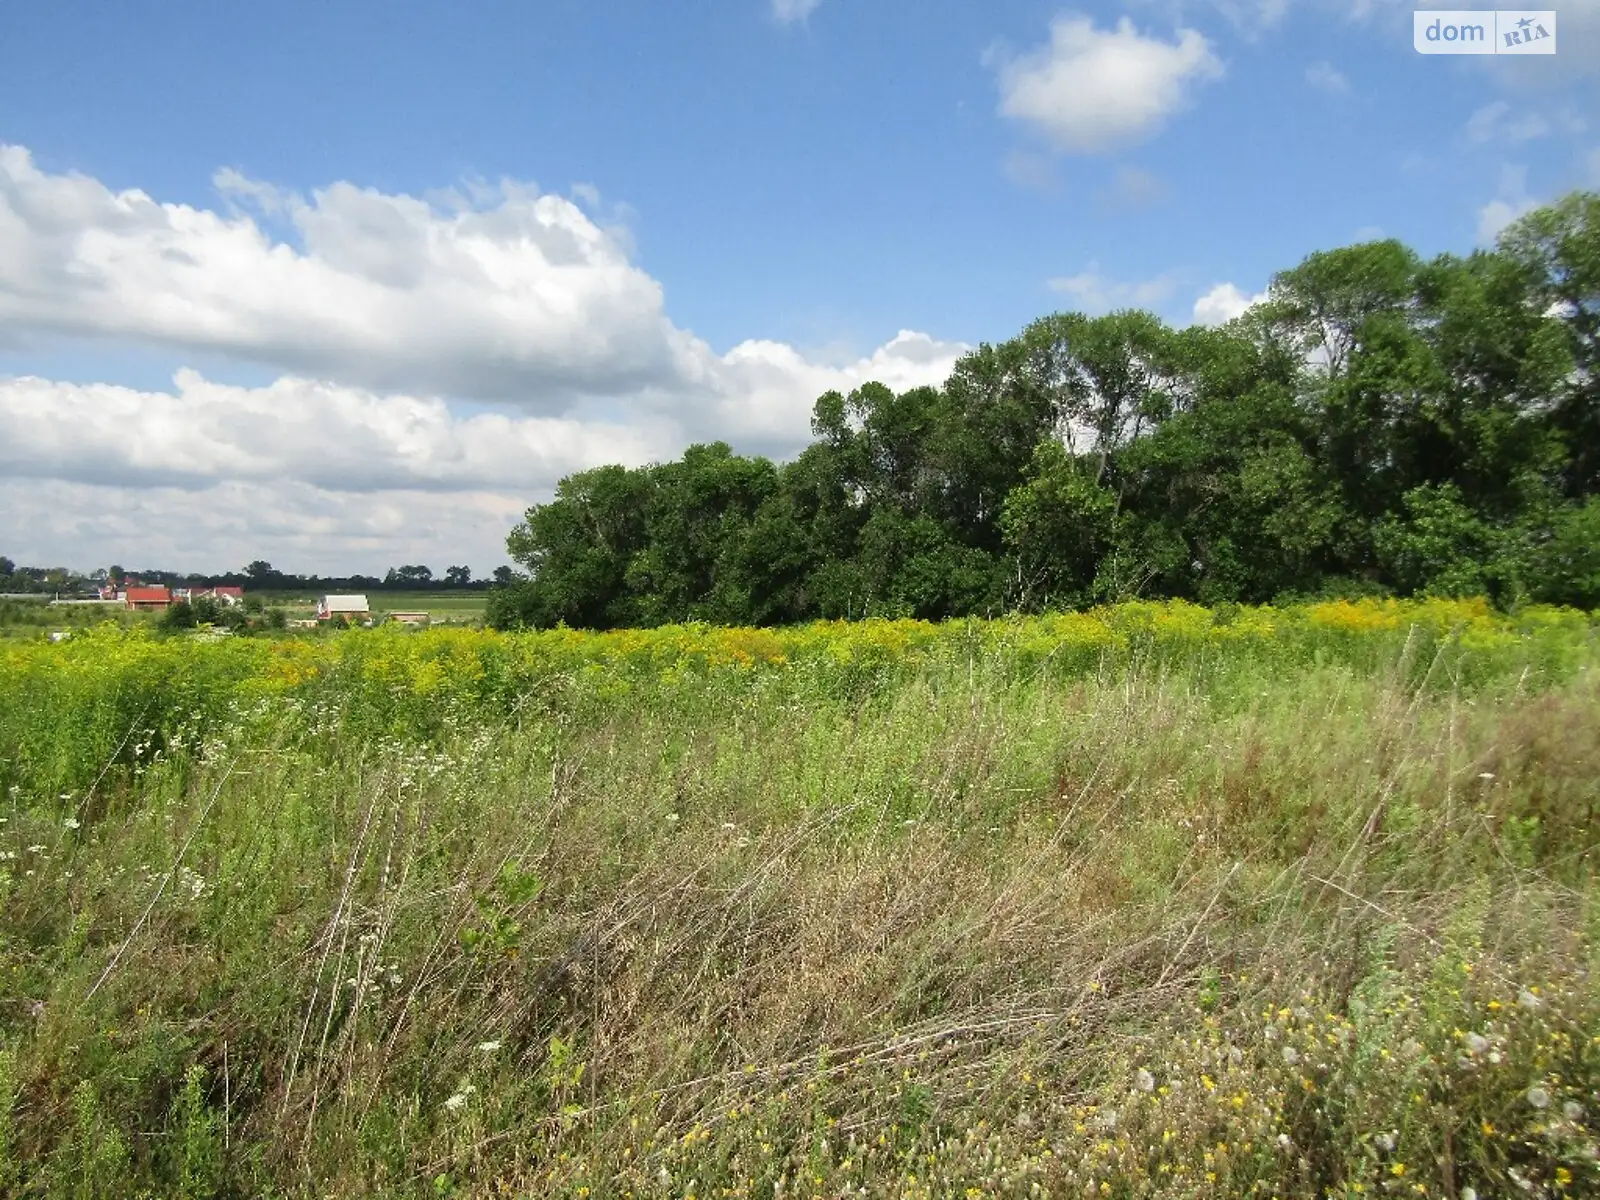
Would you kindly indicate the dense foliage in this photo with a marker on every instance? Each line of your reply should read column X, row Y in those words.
column 1380, row 424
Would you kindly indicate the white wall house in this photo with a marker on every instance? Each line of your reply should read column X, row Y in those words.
column 341, row 606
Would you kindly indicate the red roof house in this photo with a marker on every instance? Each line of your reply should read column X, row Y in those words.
column 148, row 598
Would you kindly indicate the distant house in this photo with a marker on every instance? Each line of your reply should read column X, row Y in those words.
column 223, row 595
column 342, row 606
column 410, row 618
column 148, row 599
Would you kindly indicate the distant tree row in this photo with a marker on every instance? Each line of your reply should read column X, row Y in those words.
column 259, row 576
column 1380, row 424
column 14, row 578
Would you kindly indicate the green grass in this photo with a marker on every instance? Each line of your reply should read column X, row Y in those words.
column 1165, row 927
column 456, row 605
column 441, row 605
column 29, row 619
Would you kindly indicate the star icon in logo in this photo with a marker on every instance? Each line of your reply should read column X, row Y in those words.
column 1524, row 23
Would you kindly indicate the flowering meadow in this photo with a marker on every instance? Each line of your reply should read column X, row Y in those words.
column 1152, row 900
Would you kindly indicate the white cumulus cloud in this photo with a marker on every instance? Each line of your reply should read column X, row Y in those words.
column 1223, row 303
column 510, row 294
column 296, row 431
column 1090, row 90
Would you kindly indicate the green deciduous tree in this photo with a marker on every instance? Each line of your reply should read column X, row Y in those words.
column 1379, row 423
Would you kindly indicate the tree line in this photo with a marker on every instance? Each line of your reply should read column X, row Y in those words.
column 259, row 575
column 1380, row 424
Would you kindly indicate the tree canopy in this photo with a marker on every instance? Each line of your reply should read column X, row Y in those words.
column 1379, row 424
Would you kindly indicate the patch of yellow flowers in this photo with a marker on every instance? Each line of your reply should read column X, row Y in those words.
column 446, row 661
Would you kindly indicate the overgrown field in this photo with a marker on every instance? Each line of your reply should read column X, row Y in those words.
column 1150, row 901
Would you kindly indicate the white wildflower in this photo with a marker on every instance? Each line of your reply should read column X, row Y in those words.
column 1145, row 1081
column 1291, row 1055
column 1538, row 1097
column 1477, row 1043
column 488, row 1047
column 457, row 1101
column 1385, row 1141
column 1469, row 1193
column 672, row 817
column 36, row 848
column 72, row 822
column 1572, row 1110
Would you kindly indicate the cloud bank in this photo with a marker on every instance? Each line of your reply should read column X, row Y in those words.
column 381, row 314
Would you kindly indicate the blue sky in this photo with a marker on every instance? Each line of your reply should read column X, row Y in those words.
column 803, row 179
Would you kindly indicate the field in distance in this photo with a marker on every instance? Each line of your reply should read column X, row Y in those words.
column 441, row 605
